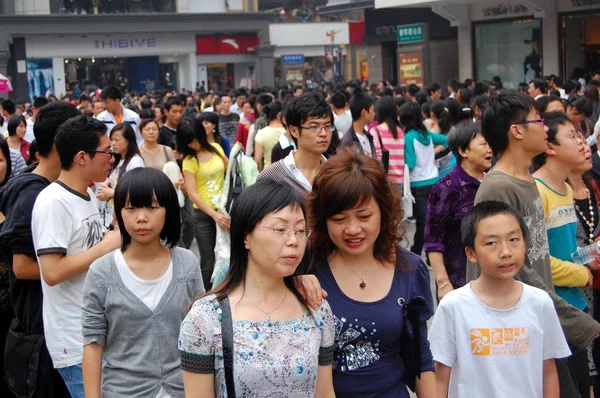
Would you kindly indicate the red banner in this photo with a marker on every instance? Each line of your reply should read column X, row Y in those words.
column 226, row 44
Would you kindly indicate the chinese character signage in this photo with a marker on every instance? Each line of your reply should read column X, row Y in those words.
column 410, row 65
column 292, row 59
column 410, row 33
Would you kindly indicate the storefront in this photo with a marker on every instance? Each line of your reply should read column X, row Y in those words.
column 382, row 43
column 113, row 49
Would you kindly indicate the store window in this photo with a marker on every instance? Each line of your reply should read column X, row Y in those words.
column 580, row 48
column 111, row 6
column 509, row 49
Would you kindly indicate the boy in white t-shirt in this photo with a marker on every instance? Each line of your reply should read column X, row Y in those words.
column 496, row 337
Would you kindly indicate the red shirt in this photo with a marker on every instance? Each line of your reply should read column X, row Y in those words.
column 25, row 149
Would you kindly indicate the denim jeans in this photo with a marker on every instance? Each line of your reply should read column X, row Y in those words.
column 205, row 232
column 73, row 377
column 421, row 195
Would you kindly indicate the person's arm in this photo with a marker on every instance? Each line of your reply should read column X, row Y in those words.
column 441, row 276
column 324, row 387
column 198, row 385
column 551, row 387
column 190, row 187
column 26, row 267
column 410, row 157
column 426, row 385
column 170, row 154
column 92, row 370
column 442, row 379
column 568, row 274
column 258, row 155
column 58, row 267
column 439, row 139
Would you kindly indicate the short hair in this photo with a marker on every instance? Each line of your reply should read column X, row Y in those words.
column 359, row 102
column 543, row 102
column 240, row 92
column 33, row 148
column 9, row 107
column 111, row 92
column 558, row 81
column 6, row 152
column 453, row 84
column 13, row 123
column 568, row 86
column 47, row 122
column 468, row 82
column 38, row 102
column 347, row 180
column 483, row 210
column 170, row 102
column 553, row 121
column 338, row 100
column 264, row 99
column 300, row 108
column 80, row 133
column 465, row 95
column 481, row 88
column 460, row 137
column 506, row 107
column 540, row 84
column 413, row 89
column 411, row 117
column 138, row 188
column 481, row 101
column 432, row 88
column 84, row 98
column 583, row 106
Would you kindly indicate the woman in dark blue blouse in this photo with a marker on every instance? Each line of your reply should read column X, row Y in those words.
column 379, row 293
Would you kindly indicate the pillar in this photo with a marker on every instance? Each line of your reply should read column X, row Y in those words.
column 550, row 44
column 265, row 65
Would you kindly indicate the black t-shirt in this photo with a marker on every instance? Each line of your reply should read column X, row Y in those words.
column 277, row 153
column 16, row 203
column 166, row 136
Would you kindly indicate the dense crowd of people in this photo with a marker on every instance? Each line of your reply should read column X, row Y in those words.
column 298, row 201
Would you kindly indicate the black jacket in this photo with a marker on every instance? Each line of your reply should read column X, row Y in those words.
column 351, row 139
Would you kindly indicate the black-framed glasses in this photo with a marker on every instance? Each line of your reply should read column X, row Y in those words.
column 109, row 153
column 541, row 121
column 317, row 129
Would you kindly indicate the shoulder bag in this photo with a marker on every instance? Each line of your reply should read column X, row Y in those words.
column 227, row 336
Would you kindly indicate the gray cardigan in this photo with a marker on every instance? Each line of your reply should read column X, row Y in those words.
column 140, row 346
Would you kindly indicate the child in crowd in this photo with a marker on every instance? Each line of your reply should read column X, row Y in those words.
column 513, row 331
column 134, row 297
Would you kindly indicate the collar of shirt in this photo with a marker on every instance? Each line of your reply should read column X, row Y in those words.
column 290, row 163
column 285, row 142
column 462, row 175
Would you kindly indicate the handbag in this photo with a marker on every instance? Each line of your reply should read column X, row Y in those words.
column 227, row 337
column 407, row 198
column 385, row 154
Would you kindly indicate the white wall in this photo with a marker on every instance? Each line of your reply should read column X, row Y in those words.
column 32, row 7
column 58, row 69
column 308, row 34
column 205, row 6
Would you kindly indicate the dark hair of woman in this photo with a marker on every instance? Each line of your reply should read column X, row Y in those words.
column 442, row 113
column 386, row 112
column 13, row 123
column 132, row 147
column 146, row 122
column 411, row 118
column 272, row 110
column 146, row 187
column 250, row 208
column 6, row 152
column 347, row 181
column 213, row 119
column 191, row 129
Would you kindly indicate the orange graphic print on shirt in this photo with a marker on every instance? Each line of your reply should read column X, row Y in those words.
column 499, row 341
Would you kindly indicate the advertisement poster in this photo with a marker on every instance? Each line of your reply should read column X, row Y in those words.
column 410, row 65
column 364, row 70
column 333, row 60
column 40, row 76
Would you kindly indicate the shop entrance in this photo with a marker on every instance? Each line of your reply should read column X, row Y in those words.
column 580, row 43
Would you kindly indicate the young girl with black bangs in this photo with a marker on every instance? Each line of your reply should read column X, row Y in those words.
column 135, row 297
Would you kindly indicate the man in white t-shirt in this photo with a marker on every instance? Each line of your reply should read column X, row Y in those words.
column 35, row 108
column 68, row 236
column 496, row 337
column 116, row 113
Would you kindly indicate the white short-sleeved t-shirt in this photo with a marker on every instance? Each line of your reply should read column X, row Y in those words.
column 67, row 222
column 149, row 292
column 364, row 143
column 496, row 353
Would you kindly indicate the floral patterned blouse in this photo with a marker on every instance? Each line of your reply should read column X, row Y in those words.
column 271, row 359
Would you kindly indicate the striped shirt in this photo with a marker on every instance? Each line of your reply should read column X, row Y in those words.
column 396, row 148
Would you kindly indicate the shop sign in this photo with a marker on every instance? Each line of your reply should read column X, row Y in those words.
column 239, row 44
column 584, row 3
column 504, row 10
column 410, row 33
column 410, row 65
column 290, row 59
column 134, row 43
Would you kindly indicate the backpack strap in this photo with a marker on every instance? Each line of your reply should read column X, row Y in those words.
column 166, row 153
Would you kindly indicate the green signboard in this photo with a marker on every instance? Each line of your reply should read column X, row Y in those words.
column 410, row 33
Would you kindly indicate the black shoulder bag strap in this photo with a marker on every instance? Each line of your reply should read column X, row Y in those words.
column 227, row 336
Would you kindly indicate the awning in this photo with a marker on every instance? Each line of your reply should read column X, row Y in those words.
column 349, row 5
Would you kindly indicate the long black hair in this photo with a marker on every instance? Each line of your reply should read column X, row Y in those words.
column 213, row 119
column 442, row 113
column 411, row 118
column 6, row 152
column 386, row 112
column 251, row 207
column 132, row 147
column 191, row 129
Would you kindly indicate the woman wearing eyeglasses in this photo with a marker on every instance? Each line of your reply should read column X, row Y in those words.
column 280, row 346
column 127, row 157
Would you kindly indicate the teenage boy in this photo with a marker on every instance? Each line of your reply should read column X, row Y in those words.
column 228, row 121
column 496, row 337
column 68, row 236
column 173, row 112
column 38, row 103
column 362, row 109
column 341, row 118
column 513, row 128
column 434, row 92
column 26, row 347
column 564, row 153
column 310, row 122
column 116, row 113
